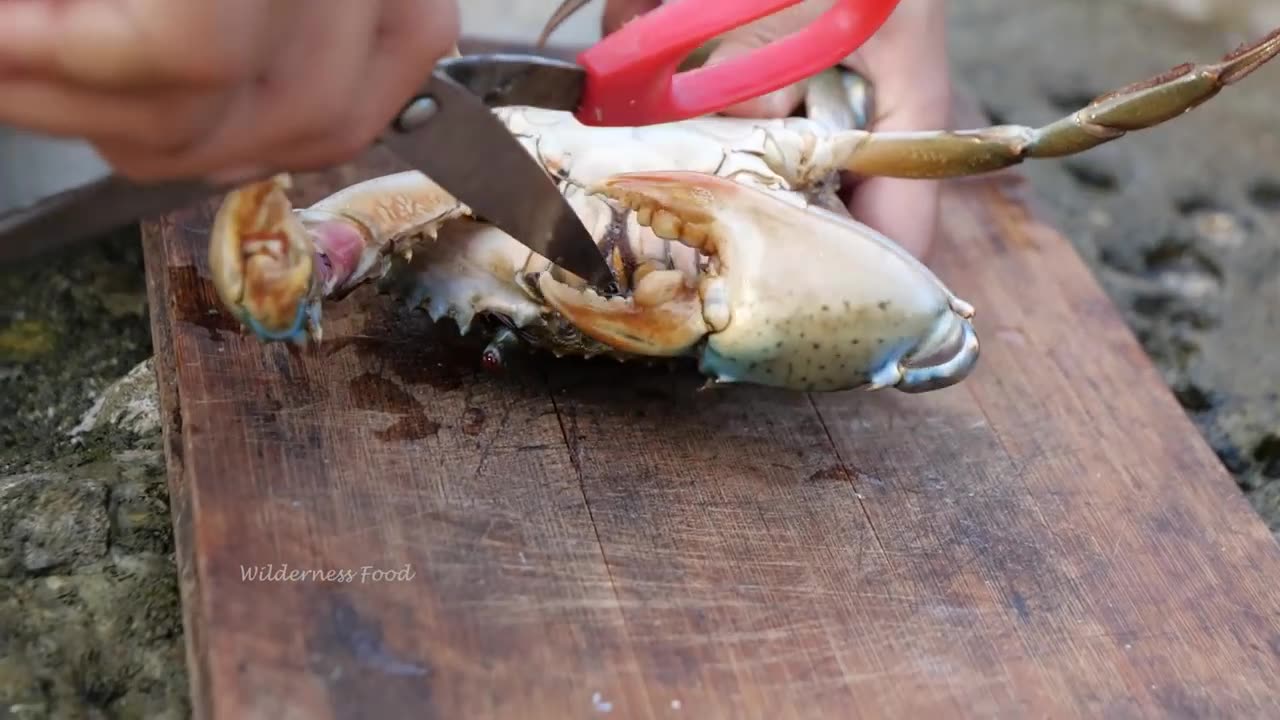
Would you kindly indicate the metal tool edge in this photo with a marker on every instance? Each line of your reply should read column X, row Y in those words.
column 482, row 160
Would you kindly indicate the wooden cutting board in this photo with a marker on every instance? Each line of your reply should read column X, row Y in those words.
column 1052, row 538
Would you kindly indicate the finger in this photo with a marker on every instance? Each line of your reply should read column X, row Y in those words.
column 156, row 120
column 308, row 93
column 133, row 44
column 303, row 96
column 403, row 42
column 141, row 158
column 779, row 103
column 904, row 210
column 414, row 36
column 619, row 12
column 913, row 93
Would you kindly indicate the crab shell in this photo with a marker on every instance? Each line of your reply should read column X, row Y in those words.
column 720, row 257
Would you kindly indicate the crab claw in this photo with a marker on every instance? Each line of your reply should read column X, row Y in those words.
column 662, row 318
column 263, row 261
column 273, row 265
column 794, row 296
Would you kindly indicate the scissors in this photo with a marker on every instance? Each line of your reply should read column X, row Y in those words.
column 448, row 132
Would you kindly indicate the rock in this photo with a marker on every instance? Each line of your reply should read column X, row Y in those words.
column 90, row 622
column 104, row 642
column 26, row 340
column 67, row 337
column 90, row 618
column 50, row 521
column 131, row 403
column 20, row 694
column 139, row 504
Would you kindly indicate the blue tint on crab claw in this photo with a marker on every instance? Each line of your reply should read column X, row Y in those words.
column 308, row 317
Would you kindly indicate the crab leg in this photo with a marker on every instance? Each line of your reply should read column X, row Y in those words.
column 564, row 11
column 970, row 152
column 273, row 266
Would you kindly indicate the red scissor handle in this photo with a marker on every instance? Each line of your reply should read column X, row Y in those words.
column 631, row 74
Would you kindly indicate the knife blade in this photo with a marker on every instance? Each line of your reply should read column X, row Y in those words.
column 451, row 135
column 54, row 193
column 90, row 210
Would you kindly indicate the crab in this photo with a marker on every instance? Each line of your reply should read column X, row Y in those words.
column 726, row 236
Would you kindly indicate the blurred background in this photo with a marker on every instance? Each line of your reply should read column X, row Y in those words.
column 1181, row 225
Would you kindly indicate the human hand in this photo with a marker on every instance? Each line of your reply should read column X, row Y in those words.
column 906, row 62
column 221, row 88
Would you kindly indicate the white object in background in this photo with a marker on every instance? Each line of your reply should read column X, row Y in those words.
column 61, row 164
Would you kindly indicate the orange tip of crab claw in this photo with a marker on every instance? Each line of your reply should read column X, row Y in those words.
column 663, row 322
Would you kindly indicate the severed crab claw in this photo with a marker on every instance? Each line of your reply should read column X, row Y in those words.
column 264, row 276
column 873, row 317
column 273, row 266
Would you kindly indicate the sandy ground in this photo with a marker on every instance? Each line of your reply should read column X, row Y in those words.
column 1181, row 224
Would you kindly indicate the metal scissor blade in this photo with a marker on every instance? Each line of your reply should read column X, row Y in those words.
column 70, row 195
column 470, row 153
column 88, row 211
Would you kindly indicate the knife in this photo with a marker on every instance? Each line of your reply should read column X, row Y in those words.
column 449, row 131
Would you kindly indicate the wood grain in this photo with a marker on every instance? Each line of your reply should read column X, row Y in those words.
column 1051, row 538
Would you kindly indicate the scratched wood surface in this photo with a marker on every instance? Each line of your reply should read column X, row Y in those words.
column 1049, row 539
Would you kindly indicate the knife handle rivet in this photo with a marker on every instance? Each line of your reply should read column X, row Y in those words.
column 416, row 113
